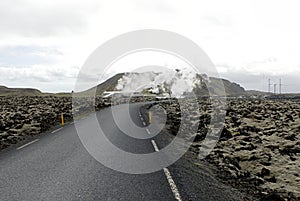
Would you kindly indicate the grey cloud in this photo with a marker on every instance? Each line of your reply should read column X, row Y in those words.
column 265, row 61
column 28, row 55
column 259, row 81
column 154, row 5
column 36, row 74
column 219, row 21
column 35, row 18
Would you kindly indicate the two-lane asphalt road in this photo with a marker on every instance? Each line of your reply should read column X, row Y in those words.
column 56, row 166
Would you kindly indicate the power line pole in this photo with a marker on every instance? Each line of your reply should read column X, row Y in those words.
column 269, row 85
column 274, row 89
column 280, row 86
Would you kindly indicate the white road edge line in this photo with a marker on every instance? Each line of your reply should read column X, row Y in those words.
column 171, row 182
column 57, row 130
column 148, row 131
column 29, row 143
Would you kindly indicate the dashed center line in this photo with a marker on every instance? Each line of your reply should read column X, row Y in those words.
column 29, row 143
column 171, row 182
column 143, row 121
column 56, row 130
column 155, row 146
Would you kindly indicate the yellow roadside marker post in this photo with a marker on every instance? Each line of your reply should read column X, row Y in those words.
column 150, row 117
column 62, row 119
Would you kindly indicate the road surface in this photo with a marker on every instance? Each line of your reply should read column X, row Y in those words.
column 56, row 166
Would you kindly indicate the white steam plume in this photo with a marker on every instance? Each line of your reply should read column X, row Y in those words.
column 175, row 83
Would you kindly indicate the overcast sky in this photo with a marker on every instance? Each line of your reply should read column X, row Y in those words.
column 43, row 44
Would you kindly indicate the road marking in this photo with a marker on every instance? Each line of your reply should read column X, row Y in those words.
column 155, row 146
column 56, row 130
column 144, row 123
column 29, row 143
column 171, row 182
column 72, row 123
column 148, row 131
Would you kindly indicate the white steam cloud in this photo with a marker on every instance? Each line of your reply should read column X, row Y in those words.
column 173, row 83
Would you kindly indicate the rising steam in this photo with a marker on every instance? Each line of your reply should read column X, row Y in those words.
column 173, row 83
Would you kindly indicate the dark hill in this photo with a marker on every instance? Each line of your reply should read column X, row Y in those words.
column 108, row 85
column 231, row 88
column 5, row 91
